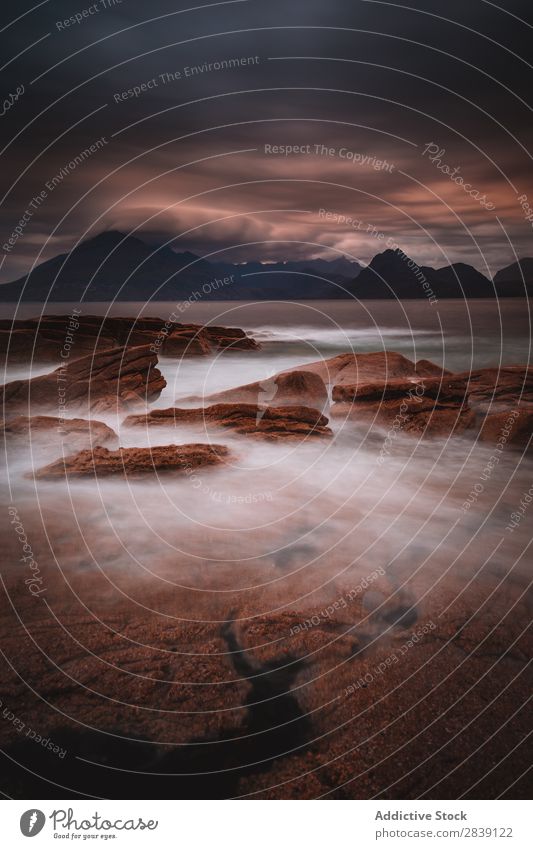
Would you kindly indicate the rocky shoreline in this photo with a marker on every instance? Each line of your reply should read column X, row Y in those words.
column 381, row 389
column 363, row 689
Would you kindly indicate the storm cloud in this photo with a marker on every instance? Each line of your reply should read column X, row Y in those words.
column 269, row 131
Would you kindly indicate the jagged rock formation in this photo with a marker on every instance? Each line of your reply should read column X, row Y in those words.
column 111, row 379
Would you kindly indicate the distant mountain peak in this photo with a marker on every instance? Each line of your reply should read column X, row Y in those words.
column 116, row 265
column 109, row 239
column 517, row 272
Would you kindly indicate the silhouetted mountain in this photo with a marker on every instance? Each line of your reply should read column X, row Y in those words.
column 114, row 266
column 106, row 267
column 461, row 281
column 392, row 274
column 514, row 278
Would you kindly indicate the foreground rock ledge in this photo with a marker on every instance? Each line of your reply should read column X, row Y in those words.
column 135, row 462
column 271, row 423
column 118, row 378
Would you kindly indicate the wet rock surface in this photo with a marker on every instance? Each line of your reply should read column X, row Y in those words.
column 512, row 427
column 270, row 423
column 435, row 407
column 111, row 379
column 496, row 389
column 379, row 366
column 290, row 388
column 43, row 339
column 265, row 707
column 134, row 462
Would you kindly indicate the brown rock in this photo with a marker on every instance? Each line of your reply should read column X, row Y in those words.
column 297, row 387
column 376, row 366
column 290, row 388
column 270, row 423
column 425, row 368
column 24, row 345
column 498, row 389
column 44, row 339
column 74, row 434
column 135, row 462
column 229, row 338
column 187, row 343
column 436, row 407
column 510, row 427
column 119, row 377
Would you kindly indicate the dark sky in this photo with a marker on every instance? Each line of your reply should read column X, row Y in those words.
column 185, row 159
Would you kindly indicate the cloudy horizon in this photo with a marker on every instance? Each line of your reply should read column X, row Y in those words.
column 272, row 133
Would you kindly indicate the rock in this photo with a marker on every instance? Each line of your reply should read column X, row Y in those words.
column 186, row 343
column 135, row 462
column 421, row 407
column 376, row 366
column 45, row 339
column 297, row 387
column 29, row 344
column 498, row 389
column 271, row 423
column 194, row 339
column 229, row 338
column 510, row 427
column 290, row 388
column 116, row 378
column 425, row 368
column 74, row 434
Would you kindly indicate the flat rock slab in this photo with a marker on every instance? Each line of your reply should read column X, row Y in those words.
column 43, row 339
column 135, row 462
column 271, row 423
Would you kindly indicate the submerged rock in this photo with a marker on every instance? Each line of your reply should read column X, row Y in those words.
column 272, row 423
column 74, row 434
column 135, row 462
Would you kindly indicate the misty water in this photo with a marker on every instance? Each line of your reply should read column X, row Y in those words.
column 288, row 526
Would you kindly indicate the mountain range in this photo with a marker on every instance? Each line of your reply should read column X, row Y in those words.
column 115, row 266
